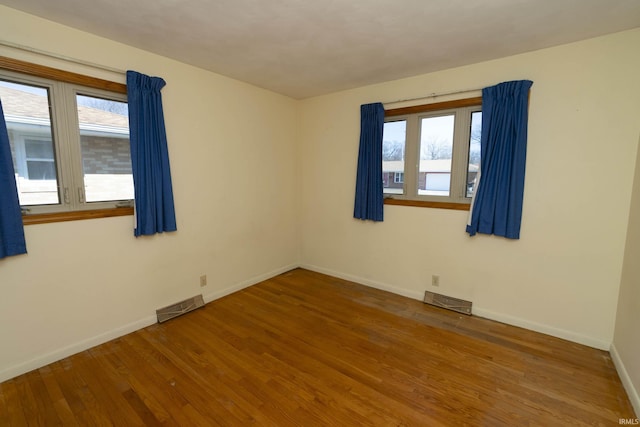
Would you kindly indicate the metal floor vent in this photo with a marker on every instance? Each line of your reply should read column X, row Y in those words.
column 179, row 308
column 450, row 303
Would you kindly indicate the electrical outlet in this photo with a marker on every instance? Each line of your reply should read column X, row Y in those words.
column 435, row 280
column 203, row 280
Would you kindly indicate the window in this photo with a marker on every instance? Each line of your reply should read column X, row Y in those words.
column 433, row 152
column 69, row 141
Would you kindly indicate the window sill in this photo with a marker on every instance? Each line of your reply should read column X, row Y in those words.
column 428, row 204
column 46, row 218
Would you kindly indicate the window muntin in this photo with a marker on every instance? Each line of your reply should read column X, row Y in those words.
column 49, row 144
column 441, row 153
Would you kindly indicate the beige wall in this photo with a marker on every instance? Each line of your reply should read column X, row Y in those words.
column 626, row 341
column 563, row 276
column 86, row 281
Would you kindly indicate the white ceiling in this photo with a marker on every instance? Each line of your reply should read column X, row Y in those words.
column 303, row 48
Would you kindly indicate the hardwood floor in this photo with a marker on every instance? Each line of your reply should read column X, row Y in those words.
column 304, row 349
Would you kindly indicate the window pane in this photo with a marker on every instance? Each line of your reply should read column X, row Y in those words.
column 436, row 149
column 26, row 110
column 474, row 151
column 38, row 149
column 41, row 170
column 106, row 156
column 393, row 145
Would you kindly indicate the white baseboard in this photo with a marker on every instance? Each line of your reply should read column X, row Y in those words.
column 247, row 283
column 367, row 282
column 69, row 350
column 634, row 397
column 543, row 329
column 477, row 311
column 86, row 344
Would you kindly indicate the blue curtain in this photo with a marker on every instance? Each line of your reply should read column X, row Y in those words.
column 155, row 211
column 369, row 200
column 12, row 240
column 496, row 207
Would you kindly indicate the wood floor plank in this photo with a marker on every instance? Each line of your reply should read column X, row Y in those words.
column 11, row 412
column 336, row 355
column 320, row 362
column 27, row 400
column 99, row 384
column 57, row 397
column 44, row 405
column 283, row 374
column 79, row 399
column 145, row 386
column 306, row 349
column 184, row 390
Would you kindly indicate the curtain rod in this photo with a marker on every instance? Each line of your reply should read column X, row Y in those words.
column 61, row 57
column 432, row 95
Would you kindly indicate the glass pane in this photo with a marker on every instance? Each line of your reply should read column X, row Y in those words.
column 41, row 170
column 38, row 149
column 393, row 145
column 474, row 151
column 104, row 142
column 436, row 149
column 26, row 111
